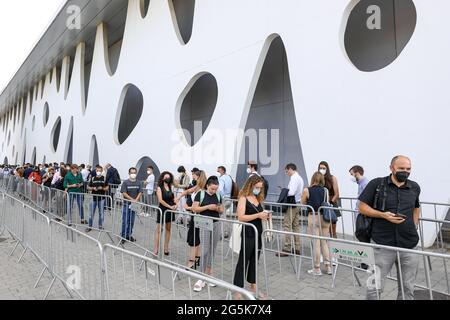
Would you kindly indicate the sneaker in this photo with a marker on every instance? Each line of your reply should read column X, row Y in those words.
column 132, row 239
column 315, row 272
column 199, row 285
column 122, row 241
column 212, row 285
column 84, row 222
column 329, row 271
column 88, row 230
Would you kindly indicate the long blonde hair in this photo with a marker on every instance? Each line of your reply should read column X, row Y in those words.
column 201, row 180
column 247, row 190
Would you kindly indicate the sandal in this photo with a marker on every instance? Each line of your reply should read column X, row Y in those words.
column 197, row 261
column 193, row 265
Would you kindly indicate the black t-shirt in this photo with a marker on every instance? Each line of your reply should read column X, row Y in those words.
column 401, row 200
column 98, row 182
column 208, row 199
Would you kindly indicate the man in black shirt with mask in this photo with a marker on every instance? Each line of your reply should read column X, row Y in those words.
column 393, row 204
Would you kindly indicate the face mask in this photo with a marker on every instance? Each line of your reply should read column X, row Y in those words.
column 249, row 170
column 353, row 179
column 99, row 173
column 133, row 176
column 402, row 176
column 149, row 172
column 323, row 171
column 194, row 182
column 256, row 192
column 218, row 174
column 168, row 180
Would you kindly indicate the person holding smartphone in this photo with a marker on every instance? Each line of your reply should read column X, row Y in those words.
column 250, row 209
column 393, row 204
column 208, row 203
column 73, row 183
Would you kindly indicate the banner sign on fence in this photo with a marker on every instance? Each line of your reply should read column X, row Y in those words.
column 352, row 253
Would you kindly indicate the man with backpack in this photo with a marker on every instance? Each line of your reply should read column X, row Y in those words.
column 392, row 203
column 114, row 181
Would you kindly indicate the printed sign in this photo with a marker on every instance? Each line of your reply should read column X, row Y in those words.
column 352, row 253
column 204, row 223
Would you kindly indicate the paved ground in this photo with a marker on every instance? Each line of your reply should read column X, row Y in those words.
column 128, row 278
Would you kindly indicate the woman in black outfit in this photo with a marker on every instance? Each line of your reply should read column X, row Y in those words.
column 250, row 210
column 167, row 202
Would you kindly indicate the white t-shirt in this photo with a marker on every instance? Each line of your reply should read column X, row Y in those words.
column 150, row 184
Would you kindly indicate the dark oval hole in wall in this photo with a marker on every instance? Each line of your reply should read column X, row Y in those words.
column 377, row 31
column 198, row 108
column 130, row 112
column 55, row 134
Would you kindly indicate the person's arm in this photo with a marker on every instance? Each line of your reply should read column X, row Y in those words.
column 127, row 196
column 368, row 211
column 416, row 216
column 106, row 187
column 305, row 196
column 90, row 186
column 336, row 190
column 248, row 217
column 197, row 209
column 160, row 199
column 139, row 197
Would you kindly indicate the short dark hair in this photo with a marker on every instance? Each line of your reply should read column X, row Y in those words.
column 181, row 169
column 98, row 167
column 213, row 180
column 150, row 167
column 195, row 169
column 82, row 166
column 132, row 168
column 222, row 168
column 357, row 169
column 253, row 164
column 291, row 166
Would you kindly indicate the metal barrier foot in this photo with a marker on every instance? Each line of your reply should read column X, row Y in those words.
column 22, row 255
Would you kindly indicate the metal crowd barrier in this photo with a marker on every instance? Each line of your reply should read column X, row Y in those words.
column 135, row 221
column 202, row 228
column 349, row 255
column 126, row 279
column 88, row 271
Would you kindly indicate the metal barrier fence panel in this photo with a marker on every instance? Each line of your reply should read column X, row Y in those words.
column 135, row 225
column 200, row 236
column 287, row 279
column 132, row 276
column 77, row 261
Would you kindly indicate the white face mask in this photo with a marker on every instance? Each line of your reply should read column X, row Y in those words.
column 249, row 170
column 133, row 176
column 149, row 172
column 99, row 173
column 323, row 171
column 353, row 179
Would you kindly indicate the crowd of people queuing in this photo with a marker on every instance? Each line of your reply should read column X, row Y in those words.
column 394, row 223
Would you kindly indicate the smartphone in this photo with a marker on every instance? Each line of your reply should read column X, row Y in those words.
column 400, row 215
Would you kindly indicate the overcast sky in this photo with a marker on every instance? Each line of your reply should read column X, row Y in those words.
column 22, row 23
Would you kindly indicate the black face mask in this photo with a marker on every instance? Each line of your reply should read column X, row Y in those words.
column 402, row 176
column 168, row 181
column 194, row 182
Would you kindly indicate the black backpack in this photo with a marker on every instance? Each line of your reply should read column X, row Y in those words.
column 363, row 225
column 116, row 177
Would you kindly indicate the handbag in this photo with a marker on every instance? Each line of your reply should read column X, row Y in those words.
column 236, row 238
column 268, row 225
column 328, row 214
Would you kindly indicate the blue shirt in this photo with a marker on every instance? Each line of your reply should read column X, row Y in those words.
column 361, row 186
column 225, row 186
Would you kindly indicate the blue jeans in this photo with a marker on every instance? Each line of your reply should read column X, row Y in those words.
column 94, row 204
column 79, row 198
column 128, row 217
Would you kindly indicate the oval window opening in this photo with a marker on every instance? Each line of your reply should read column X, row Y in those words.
column 198, row 108
column 56, row 131
column 377, row 31
column 129, row 112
